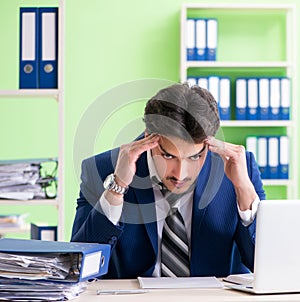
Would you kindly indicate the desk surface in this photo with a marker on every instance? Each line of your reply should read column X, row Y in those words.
column 180, row 295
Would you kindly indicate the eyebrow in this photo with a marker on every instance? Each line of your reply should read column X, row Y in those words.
column 196, row 154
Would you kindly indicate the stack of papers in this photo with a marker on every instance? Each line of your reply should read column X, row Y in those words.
column 37, row 270
column 22, row 290
column 24, row 180
column 180, row 282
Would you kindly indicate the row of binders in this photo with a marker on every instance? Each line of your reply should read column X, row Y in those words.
column 219, row 87
column 263, row 98
column 28, row 179
column 38, row 47
column 201, row 39
column 36, row 270
column 272, row 155
column 255, row 98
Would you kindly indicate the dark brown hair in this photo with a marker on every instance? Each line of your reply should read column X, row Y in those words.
column 184, row 112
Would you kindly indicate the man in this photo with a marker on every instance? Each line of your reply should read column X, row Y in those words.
column 125, row 194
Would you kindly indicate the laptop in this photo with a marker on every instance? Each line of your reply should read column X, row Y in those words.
column 277, row 250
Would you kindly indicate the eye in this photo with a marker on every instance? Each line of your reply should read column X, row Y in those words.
column 195, row 157
column 167, row 156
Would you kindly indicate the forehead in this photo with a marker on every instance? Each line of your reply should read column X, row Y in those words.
column 179, row 147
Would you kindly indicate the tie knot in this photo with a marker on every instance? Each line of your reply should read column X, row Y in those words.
column 172, row 198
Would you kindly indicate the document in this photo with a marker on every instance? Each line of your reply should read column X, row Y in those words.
column 180, row 282
column 240, row 278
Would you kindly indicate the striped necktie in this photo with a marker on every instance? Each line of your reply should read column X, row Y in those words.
column 174, row 245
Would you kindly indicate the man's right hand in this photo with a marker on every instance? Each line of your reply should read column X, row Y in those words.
column 126, row 163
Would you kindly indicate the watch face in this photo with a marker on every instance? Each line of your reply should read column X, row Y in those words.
column 109, row 181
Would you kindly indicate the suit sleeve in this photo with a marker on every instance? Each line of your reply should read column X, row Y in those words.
column 245, row 236
column 90, row 223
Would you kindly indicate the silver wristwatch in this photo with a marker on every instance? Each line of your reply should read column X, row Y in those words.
column 111, row 185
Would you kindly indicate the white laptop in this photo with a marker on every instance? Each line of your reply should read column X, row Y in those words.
column 277, row 250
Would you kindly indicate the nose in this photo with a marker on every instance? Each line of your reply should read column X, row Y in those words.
column 180, row 170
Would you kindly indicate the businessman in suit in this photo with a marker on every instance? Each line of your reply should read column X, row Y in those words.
column 216, row 187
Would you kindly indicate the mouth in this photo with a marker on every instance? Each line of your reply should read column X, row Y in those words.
column 178, row 184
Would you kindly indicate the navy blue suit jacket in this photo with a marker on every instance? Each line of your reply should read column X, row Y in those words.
column 220, row 244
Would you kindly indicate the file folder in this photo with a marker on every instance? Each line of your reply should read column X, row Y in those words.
column 262, row 159
column 285, row 98
column 284, row 151
column 190, row 32
column 48, row 47
column 224, row 99
column 241, row 99
column 273, row 157
column 200, row 39
column 212, row 39
column 90, row 260
column 275, row 98
column 252, row 104
column 251, row 145
column 29, row 31
column 40, row 231
column 213, row 87
column 192, row 81
column 203, row 82
column 263, row 98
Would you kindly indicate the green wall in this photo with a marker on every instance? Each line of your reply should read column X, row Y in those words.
column 113, row 49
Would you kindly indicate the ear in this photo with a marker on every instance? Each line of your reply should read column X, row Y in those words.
column 146, row 133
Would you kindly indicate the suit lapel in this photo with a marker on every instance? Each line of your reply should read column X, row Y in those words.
column 208, row 183
column 145, row 198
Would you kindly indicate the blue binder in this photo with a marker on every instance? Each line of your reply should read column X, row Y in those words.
column 284, row 150
column 273, row 157
column 241, row 99
column 90, row 259
column 252, row 99
column 190, row 32
column 275, row 98
column 212, row 39
column 43, row 232
column 285, row 98
column 263, row 99
column 200, row 53
column 48, row 47
column 224, row 98
column 262, row 156
column 29, row 32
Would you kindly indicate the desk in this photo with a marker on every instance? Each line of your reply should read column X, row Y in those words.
column 174, row 295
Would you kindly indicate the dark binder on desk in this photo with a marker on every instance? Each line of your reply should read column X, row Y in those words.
column 48, row 47
column 29, row 31
column 90, row 260
column 40, row 231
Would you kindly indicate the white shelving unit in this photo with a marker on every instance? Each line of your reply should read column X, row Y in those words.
column 57, row 95
column 288, row 65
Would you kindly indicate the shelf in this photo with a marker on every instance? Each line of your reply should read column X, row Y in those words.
column 233, row 6
column 33, row 202
column 256, row 123
column 276, row 182
column 30, row 93
column 218, row 64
